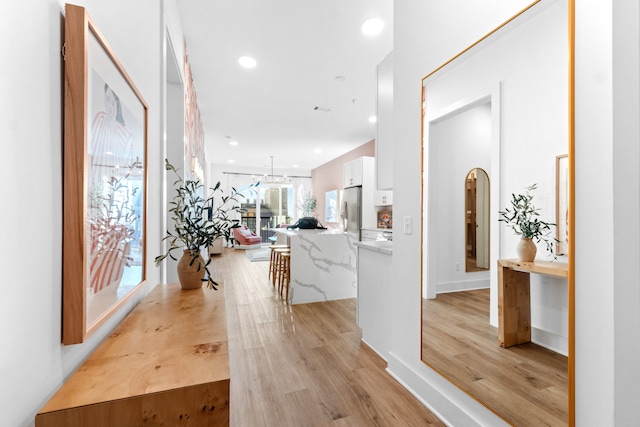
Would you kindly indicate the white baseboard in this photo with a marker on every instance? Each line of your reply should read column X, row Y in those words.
column 550, row 340
column 463, row 285
column 453, row 406
column 382, row 356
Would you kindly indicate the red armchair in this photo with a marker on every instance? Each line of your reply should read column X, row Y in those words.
column 245, row 237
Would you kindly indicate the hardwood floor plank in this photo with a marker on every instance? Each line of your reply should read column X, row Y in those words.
column 304, row 365
column 526, row 384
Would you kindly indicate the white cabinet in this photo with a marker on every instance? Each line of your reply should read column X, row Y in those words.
column 372, row 302
column 384, row 125
column 353, row 173
column 383, row 198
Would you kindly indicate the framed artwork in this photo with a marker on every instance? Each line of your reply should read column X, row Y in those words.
column 562, row 205
column 385, row 219
column 331, row 206
column 105, row 181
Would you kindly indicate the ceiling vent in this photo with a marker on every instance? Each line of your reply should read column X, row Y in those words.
column 322, row 109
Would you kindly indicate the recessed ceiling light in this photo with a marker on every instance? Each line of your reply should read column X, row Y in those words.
column 372, row 26
column 373, row 119
column 247, row 62
column 234, row 143
column 230, row 161
column 317, row 151
column 296, row 166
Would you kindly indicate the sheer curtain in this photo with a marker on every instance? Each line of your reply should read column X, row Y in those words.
column 257, row 199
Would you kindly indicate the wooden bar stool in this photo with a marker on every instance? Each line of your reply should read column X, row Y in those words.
column 273, row 261
column 284, row 278
column 275, row 269
column 276, row 264
column 279, row 265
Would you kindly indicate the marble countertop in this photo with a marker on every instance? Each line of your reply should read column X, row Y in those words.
column 381, row 230
column 298, row 232
column 383, row 246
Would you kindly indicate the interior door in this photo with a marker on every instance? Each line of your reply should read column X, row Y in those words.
column 482, row 220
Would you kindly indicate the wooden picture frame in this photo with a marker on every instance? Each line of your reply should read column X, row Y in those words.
column 385, row 218
column 562, row 204
column 104, row 181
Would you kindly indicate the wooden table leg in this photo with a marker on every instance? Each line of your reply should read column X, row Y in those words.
column 514, row 307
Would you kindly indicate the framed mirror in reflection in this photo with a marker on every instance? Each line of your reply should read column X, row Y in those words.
column 476, row 197
column 496, row 116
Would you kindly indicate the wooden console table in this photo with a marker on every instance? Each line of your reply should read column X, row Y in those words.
column 514, row 303
column 167, row 363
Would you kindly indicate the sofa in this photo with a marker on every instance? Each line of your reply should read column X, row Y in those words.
column 245, row 238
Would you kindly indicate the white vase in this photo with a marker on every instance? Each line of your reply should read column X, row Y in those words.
column 526, row 250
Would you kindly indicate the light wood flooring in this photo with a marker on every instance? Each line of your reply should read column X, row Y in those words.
column 526, row 384
column 303, row 365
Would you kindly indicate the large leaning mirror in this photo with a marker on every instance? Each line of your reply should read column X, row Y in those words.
column 499, row 110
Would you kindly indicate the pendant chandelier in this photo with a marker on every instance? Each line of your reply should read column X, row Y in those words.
column 272, row 179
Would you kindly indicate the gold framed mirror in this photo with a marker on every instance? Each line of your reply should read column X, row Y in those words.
column 504, row 106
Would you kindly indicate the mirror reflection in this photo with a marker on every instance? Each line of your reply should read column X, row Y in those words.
column 476, row 196
column 496, row 116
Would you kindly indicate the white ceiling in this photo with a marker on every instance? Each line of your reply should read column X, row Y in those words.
column 301, row 47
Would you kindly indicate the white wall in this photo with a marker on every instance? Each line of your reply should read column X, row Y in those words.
column 457, row 144
column 626, row 191
column 607, row 213
column 607, row 297
column 33, row 362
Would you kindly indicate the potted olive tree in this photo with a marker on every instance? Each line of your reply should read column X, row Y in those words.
column 523, row 219
column 198, row 222
column 308, row 203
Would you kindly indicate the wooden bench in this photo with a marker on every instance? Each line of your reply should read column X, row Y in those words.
column 167, row 363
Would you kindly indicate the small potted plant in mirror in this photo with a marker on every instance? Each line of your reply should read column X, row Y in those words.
column 523, row 219
column 197, row 223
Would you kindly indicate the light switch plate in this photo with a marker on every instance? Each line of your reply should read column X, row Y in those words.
column 407, row 225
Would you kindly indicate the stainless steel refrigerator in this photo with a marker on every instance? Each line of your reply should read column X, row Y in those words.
column 351, row 211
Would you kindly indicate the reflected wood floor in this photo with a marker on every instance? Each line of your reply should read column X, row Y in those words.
column 303, row 365
column 526, row 384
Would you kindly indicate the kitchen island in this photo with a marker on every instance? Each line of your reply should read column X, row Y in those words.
column 323, row 265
